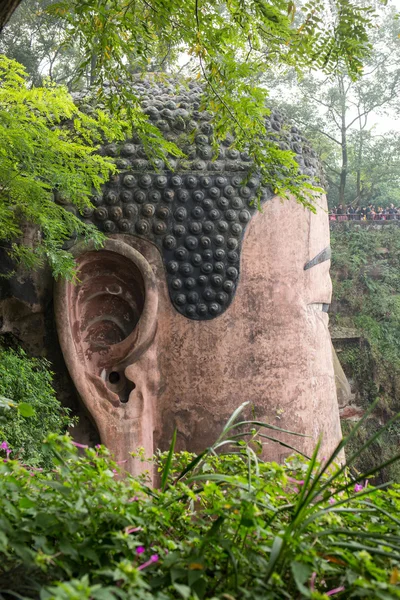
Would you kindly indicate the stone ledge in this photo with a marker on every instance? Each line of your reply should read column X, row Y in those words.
column 344, row 333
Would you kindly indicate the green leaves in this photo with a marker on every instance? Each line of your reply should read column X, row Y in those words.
column 26, row 410
column 74, row 532
column 167, row 466
column 230, row 45
column 47, row 145
column 301, row 574
column 31, row 408
column 366, row 288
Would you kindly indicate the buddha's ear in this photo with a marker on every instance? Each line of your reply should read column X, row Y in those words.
column 108, row 318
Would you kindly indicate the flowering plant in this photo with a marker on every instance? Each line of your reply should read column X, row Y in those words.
column 221, row 526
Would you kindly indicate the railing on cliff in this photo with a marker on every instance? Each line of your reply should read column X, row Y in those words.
column 358, row 217
column 366, row 222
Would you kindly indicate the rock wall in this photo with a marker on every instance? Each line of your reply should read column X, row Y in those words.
column 238, row 296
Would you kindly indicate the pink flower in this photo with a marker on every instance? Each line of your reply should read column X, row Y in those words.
column 133, row 499
column 78, row 445
column 5, row 446
column 331, row 500
column 301, row 482
column 358, row 487
column 153, row 559
column 132, row 529
column 140, row 549
column 298, row 482
column 335, row 591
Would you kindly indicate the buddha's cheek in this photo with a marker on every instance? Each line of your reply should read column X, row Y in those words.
column 271, row 347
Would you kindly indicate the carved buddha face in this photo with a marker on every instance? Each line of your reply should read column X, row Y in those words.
column 199, row 302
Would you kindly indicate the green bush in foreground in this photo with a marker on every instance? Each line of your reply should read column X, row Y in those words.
column 222, row 526
column 27, row 383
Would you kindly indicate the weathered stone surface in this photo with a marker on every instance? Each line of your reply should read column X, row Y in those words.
column 343, row 388
column 27, row 322
column 23, row 298
column 271, row 347
column 352, row 412
column 199, row 302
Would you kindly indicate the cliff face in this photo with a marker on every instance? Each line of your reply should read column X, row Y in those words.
column 271, row 346
column 365, row 328
column 238, row 301
column 27, row 322
column 364, row 322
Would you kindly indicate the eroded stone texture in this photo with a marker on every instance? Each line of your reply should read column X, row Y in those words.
column 271, row 347
column 23, row 297
column 199, row 302
column 106, row 322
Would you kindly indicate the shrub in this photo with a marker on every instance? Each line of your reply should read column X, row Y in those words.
column 221, row 526
column 27, row 382
column 366, row 296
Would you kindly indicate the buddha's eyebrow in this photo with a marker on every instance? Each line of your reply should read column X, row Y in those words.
column 324, row 255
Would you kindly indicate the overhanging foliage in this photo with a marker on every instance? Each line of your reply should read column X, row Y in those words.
column 47, row 145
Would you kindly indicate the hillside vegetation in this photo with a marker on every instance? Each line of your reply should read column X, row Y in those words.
column 366, row 296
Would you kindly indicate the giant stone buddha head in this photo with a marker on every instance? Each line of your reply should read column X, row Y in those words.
column 198, row 301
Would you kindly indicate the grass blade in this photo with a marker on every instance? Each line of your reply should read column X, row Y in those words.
column 192, row 464
column 370, row 549
column 231, row 420
column 304, row 496
column 268, row 426
column 276, row 549
column 268, row 437
column 365, row 475
column 168, row 463
column 383, row 511
column 340, row 446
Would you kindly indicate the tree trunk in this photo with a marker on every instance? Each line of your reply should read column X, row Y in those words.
column 93, row 64
column 7, row 7
column 360, row 149
column 343, row 132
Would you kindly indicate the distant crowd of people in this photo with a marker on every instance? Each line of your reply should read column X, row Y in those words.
column 364, row 213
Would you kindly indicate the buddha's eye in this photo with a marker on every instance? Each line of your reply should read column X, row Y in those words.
column 324, row 255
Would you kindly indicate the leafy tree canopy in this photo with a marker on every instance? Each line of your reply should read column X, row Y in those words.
column 337, row 114
column 47, row 145
column 36, row 38
column 230, row 44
